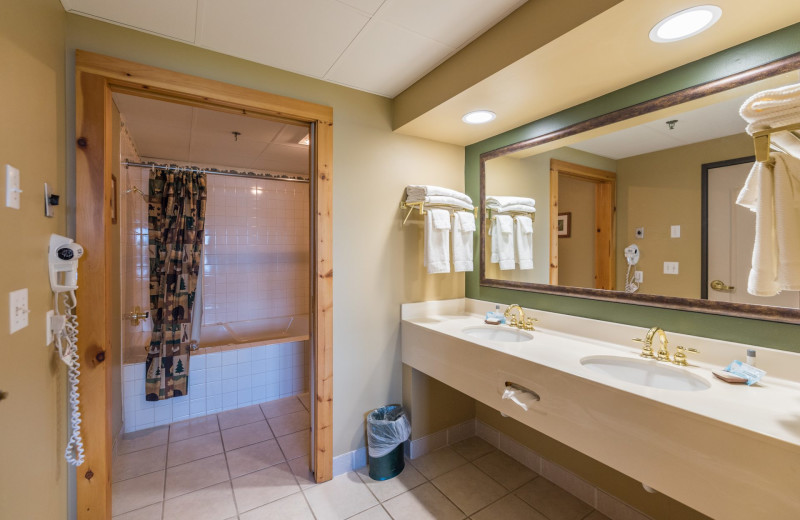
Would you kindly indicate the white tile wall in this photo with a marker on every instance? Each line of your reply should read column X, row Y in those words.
column 220, row 381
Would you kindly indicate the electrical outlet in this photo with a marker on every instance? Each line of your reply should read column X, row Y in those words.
column 675, row 232
column 638, row 276
column 639, row 232
column 670, row 267
column 12, row 187
column 18, row 310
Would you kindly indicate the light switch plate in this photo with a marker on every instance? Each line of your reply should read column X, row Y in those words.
column 49, row 327
column 675, row 231
column 670, row 267
column 12, row 187
column 18, row 310
column 638, row 276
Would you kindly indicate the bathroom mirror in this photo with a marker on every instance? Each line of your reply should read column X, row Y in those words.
column 638, row 205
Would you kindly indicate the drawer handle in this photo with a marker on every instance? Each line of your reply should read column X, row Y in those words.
column 520, row 395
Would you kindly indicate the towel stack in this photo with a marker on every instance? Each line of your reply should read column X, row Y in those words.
column 438, row 227
column 772, row 191
column 512, row 237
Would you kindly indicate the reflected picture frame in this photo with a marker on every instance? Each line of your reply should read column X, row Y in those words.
column 564, row 224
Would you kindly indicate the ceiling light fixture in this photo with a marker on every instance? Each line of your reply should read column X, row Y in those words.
column 476, row 117
column 685, row 24
column 306, row 140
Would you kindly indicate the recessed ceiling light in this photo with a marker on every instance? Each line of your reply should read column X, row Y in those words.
column 477, row 117
column 686, row 23
column 306, row 140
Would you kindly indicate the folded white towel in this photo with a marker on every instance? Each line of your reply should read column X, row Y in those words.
column 418, row 192
column 519, row 208
column 773, row 193
column 463, row 228
column 437, row 241
column 441, row 199
column 523, row 241
column 503, row 242
column 502, row 200
column 773, row 108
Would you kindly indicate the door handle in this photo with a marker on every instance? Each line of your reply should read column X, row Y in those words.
column 719, row 285
column 137, row 315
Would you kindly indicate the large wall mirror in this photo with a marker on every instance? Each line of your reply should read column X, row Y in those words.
column 636, row 206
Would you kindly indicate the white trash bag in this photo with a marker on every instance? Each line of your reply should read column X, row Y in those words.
column 387, row 427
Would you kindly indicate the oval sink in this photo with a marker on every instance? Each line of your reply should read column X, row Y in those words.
column 495, row 333
column 646, row 373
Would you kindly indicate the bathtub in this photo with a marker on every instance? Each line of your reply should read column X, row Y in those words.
column 237, row 364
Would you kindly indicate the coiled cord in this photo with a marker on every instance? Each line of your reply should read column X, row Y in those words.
column 630, row 280
column 74, row 452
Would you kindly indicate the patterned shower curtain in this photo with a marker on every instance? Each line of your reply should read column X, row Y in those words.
column 176, row 208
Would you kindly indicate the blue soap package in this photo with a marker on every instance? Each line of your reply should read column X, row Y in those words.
column 749, row 372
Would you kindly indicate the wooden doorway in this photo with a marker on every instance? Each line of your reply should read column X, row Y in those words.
column 605, row 183
column 96, row 78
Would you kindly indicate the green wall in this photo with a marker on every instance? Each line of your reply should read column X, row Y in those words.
column 736, row 59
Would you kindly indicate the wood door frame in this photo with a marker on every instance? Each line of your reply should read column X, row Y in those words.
column 605, row 219
column 96, row 77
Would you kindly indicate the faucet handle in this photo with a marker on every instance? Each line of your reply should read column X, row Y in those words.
column 529, row 324
column 647, row 349
column 680, row 355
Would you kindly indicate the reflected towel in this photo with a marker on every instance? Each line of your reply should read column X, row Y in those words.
column 439, row 199
column 518, row 208
column 463, row 229
column 773, row 108
column 503, row 242
column 523, row 231
column 500, row 201
column 418, row 192
column 437, row 241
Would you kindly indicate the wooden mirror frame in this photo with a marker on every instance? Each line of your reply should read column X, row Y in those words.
column 762, row 312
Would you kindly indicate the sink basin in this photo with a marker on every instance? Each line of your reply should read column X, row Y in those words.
column 496, row 333
column 646, row 372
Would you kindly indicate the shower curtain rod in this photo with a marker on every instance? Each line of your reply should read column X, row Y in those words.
column 229, row 173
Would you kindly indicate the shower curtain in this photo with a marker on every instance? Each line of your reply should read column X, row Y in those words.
column 176, row 216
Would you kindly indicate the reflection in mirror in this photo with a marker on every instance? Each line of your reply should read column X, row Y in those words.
column 664, row 183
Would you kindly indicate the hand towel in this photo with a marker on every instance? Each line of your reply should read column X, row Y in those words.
column 773, row 193
column 773, row 108
column 500, row 201
column 437, row 241
column 418, row 192
column 523, row 239
column 440, row 199
column 463, row 229
column 503, row 242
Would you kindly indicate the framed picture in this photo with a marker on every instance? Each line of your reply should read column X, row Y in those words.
column 564, row 224
column 114, row 201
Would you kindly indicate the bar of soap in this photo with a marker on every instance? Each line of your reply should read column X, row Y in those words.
column 728, row 377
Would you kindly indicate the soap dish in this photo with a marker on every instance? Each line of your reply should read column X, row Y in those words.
column 492, row 321
column 728, row 377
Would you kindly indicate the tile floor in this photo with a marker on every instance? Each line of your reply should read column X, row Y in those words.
column 252, row 463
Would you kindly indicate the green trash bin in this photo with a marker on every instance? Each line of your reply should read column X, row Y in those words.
column 387, row 429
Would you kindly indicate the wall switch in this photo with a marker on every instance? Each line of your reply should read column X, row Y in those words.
column 675, row 231
column 639, row 232
column 638, row 276
column 670, row 267
column 49, row 327
column 18, row 309
column 12, row 187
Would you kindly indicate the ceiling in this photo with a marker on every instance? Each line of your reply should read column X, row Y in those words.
column 379, row 46
column 202, row 137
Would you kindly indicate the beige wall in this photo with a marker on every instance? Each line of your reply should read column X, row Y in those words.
column 33, row 428
column 576, row 252
column 433, row 406
column 377, row 262
column 661, row 189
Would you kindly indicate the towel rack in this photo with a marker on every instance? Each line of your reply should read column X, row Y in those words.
column 489, row 215
column 761, row 140
column 420, row 206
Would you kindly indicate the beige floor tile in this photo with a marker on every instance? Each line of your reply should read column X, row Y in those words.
column 196, row 475
column 340, row 497
column 137, row 492
column 152, row 512
column 597, row 515
column 265, row 486
column 245, row 435
column 143, row 439
column 240, row 416
column 438, row 462
column 306, row 400
column 302, row 472
column 211, row 503
column 505, row 470
column 469, row 488
column 293, row 507
column 282, row 407
column 472, row 448
column 194, row 448
column 508, row 508
column 193, row 428
column 290, row 423
column 373, row 513
column 254, row 457
column 424, row 502
column 552, row 501
column 383, row 490
column 295, row 444
column 138, row 463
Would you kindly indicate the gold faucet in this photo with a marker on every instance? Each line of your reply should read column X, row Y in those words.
column 523, row 322
column 647, row 344
column 680, row 355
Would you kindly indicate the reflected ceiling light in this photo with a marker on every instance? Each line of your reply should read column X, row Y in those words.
column 686, row 23
column 477, row 117
column 306, row 140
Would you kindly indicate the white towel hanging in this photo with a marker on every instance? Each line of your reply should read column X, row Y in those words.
column 523, row 241
column 437, row 241
column 463, row 229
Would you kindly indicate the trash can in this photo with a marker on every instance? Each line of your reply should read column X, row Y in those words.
column 387, row 429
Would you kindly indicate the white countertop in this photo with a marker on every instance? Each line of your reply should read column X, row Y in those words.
column 770, row 408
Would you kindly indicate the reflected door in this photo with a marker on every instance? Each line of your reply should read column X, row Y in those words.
column 731, row 234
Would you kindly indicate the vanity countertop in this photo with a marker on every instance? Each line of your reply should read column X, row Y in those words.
column 769, row 409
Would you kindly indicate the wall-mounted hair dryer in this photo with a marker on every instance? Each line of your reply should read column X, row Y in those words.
column 63, row 260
